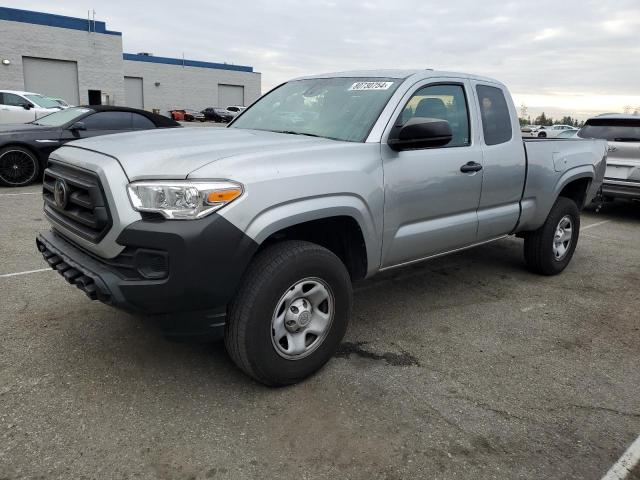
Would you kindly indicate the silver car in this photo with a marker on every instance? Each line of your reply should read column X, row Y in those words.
column 622, row 177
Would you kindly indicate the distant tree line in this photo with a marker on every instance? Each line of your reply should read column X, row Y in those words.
column 542, row 119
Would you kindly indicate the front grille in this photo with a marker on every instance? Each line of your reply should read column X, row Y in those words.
column 85, row 211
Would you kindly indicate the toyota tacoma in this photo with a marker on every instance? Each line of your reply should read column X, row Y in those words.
column 255, row 232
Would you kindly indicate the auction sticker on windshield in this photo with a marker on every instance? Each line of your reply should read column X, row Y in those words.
column 371, row 86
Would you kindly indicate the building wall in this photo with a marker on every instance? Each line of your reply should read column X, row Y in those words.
column 98, row 55
column 188, row 87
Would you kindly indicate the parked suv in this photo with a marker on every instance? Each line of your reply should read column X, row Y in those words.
column 622, row 178
column 255, row 232
column 24, row 107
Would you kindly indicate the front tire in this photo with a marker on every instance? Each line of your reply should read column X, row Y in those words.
column 290, row 313
column 18, row 167
column 549, row 249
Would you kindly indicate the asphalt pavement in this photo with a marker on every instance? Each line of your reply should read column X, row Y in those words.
column 467, row 366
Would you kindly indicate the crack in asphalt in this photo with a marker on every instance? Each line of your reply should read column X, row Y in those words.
column 403, row 359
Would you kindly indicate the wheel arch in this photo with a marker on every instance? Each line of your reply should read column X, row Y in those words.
column 575, row 184
column 341, row 223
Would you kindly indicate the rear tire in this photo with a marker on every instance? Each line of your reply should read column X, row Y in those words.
column 273, row 287
column 18, row 167
column 549, row 249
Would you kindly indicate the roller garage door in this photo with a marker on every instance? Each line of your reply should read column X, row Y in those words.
column 230, row 95
column 53, row 78
column 133, row 92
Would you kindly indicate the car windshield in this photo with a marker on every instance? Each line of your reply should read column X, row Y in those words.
column 340, row 108
column 43, row 102
column 58, row 119
column 614, row 130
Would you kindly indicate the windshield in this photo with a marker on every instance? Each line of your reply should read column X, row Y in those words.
column 336, row 108
column 58, row 119
column 43, row 102
column 614, row 130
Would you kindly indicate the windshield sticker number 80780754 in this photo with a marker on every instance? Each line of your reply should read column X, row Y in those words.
column 371, row 86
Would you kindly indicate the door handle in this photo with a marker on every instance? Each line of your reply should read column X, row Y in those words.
column 471, row 167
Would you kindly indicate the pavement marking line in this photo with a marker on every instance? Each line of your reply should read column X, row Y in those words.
column 7, row 275
column 629, row 459
column 597, row 224
column 21, row 193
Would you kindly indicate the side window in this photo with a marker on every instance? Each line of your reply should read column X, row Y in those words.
column 108, row 121
column 13, row 100
column 141, row 122
column 444, row 102
column 496, row 121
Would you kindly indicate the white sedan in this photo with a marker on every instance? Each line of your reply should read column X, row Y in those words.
column 553, row 131
column 24, row 107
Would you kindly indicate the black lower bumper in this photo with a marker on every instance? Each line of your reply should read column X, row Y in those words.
column 629, row 190
column 204, row 261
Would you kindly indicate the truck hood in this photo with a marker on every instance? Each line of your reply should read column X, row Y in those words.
column 175, row 153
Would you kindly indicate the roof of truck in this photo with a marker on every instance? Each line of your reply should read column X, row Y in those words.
column 401, row 74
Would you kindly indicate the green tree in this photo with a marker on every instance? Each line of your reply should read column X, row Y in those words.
column 542, row 119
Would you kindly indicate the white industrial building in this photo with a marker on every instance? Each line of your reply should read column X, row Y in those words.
column 82, row 62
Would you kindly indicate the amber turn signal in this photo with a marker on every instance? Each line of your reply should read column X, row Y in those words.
column 223, row 196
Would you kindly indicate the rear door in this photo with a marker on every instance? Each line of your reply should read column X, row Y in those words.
column 503, row 161
column 430, row 204
column 12, row 109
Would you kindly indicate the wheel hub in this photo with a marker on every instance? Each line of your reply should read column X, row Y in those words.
column 298, row 316
column 302, row 318
column 562, row 238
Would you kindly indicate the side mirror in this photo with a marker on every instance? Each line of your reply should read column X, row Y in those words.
column 420, row 132
column 27, row 106
column 77, row 126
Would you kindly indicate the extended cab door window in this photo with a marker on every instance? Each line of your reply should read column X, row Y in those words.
column 496, row 120
column 431, row 199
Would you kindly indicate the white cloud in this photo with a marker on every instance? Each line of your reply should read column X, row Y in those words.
column 549, row 48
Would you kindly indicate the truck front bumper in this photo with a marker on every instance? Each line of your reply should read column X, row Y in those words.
column 184, row 273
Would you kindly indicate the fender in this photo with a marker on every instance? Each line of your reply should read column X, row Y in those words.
column 535, row 210
column 288, row 214
column 576, row 173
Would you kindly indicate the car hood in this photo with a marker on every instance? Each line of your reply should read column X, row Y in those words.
column 13, row 128
column 175, row 153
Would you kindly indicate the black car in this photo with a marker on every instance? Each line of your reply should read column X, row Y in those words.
column 217, row 114
column 25, row 147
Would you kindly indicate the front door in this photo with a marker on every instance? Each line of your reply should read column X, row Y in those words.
column 430, row 204
column 12, row 109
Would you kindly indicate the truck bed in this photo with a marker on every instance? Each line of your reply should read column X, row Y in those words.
column 549, row 160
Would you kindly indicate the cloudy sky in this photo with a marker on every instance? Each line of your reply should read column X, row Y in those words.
column 576, row 57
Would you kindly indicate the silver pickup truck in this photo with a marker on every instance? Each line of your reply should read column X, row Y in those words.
column 256, row 231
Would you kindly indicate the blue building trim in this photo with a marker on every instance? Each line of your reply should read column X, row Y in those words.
column 51, row 20
column 186, row 63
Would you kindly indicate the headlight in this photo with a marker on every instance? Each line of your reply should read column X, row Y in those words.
column 182, row 200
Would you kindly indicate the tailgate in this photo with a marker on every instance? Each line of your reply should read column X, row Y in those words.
column 623, row 162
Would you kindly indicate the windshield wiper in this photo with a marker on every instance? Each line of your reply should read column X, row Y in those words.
column 291, row 132
column 626, row 139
